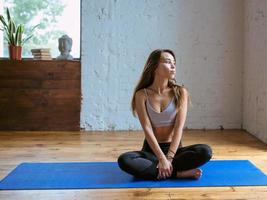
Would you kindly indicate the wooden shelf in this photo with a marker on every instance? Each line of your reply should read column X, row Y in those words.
column 40, row 95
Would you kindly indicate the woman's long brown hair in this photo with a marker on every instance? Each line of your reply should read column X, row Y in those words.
column 147, row 79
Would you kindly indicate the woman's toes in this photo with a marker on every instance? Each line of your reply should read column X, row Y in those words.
column 198, row 173
column 192, row 173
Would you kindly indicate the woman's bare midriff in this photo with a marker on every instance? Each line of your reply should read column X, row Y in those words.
column 163, row 134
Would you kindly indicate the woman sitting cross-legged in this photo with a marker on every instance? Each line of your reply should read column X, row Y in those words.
column 161, row 107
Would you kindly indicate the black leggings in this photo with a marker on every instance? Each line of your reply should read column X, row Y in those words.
column 143, row 164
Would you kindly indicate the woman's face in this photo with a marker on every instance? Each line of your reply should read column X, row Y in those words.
column 166, row 67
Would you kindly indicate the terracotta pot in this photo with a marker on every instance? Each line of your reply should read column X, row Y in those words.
column 15, row 52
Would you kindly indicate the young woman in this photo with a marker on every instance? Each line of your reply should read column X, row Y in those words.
column 161, row 106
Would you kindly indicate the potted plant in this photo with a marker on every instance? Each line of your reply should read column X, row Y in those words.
column 14, row 35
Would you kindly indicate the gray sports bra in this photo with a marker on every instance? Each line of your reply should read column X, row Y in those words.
column 164, row 118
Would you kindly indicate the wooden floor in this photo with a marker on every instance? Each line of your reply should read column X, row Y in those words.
column 17, row 147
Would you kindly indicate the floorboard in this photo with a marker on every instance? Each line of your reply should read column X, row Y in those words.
column 17, row 147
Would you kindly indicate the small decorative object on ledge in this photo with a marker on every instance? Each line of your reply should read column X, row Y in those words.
column 15, row 52
column 41, row 54
column 64, row 46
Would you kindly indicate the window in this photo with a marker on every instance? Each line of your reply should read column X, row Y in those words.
column 55, row 18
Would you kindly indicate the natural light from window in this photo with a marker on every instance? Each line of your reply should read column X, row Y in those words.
column 55, row 18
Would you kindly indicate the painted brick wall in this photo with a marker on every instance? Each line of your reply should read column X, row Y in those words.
column 117, row 37
column 255, row 69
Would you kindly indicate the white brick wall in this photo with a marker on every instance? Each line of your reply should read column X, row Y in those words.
column 117, row 37
column 255, row 69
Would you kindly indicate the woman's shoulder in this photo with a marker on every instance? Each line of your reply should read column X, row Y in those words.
column 182, row 88
column 140, row 94
column 184, row 93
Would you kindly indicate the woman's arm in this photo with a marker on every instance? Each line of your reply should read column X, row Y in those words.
column 164, row 165
column 140, row 99
column 178, row 126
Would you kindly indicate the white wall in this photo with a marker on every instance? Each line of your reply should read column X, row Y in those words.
column 255, row 69
column 117, row 37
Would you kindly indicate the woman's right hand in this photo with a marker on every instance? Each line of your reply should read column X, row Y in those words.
column 165, row 168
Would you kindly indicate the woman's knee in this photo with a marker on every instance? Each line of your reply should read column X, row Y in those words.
column 136, row 164
column 205, row 151
column 122, row 160
column 125, row 159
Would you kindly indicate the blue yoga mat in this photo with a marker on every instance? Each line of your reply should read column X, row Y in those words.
column 85, row 175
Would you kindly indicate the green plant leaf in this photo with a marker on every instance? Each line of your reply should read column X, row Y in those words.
column 6, row 29
column 22, row 29
column 8, row 14
column 33, row 28
column 7, row 39
column 10, row 33
column 30, row 34
column 3, row 20
column 13, row 26
column 19, row 34
column 26, row 39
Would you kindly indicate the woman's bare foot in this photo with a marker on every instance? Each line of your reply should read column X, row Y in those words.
column 191, row 173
